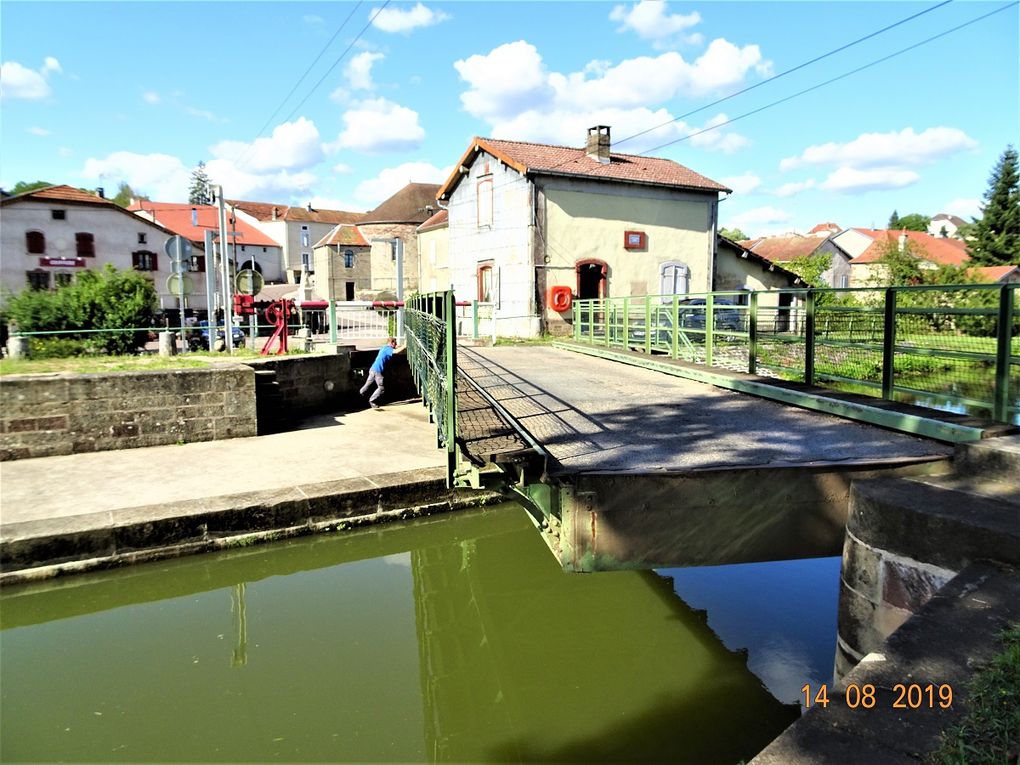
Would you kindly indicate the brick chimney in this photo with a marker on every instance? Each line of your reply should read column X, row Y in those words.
column 598, row 144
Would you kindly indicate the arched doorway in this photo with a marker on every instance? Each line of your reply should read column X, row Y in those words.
column 591, row 279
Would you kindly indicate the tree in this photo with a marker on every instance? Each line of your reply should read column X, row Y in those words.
column 125, row 194
column 101, row 299
column 200, row 192
column 23, row 187
column 811, row 268
column 914, row 222
column 996, row 234
column 733, row 234
column 894, row 221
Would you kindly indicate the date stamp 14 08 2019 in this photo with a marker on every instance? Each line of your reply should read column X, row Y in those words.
column 905, row 696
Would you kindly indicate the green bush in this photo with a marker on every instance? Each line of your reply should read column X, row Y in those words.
column 95, row 300
column 57, row 347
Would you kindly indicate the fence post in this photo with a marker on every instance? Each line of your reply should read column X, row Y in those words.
column 451, row 387
column 1000, row 407
column 809, row 338
column 332, row 321
column 709, row 327
column 626, row 320
column 676, row 326
column 474, row 319
column 889, row 345
column 575, row 313
column 752, row 334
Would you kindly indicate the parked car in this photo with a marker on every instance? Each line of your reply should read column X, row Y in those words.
column 200, row 340
column 726, row 315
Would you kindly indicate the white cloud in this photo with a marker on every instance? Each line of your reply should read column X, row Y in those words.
column 849, row 179
column 151, row 97
column 742, row 184
column 510, row 88
column 894, row 149
column 789, row 189
column 17, row 81
column 397, row 20
column 965, row 208
column 65, row 152
column 340, row 96
column 377, row 125
column 757, row 218
column 240, row 182
column 393, row 179
column 159, row 176
column 342, row 169
column 648, row 18
column 359, row 70
column 41, row 132
column 292, row 146
column 205, row 114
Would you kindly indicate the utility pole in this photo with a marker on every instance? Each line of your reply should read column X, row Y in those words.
column 228, row 323
column 210, row 286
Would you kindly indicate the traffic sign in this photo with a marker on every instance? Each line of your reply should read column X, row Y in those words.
column 248, row 282
column 178, row 249
column 175, row 287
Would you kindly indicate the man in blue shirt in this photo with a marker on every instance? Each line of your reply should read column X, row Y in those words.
column 375, row 373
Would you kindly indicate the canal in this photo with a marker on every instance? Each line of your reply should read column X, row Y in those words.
column 452, row 639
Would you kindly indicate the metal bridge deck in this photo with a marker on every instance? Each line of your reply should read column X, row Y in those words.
column 595, row 415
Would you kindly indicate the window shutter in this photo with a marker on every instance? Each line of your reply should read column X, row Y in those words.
column 35, row 242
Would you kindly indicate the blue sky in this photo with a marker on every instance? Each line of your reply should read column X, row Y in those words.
column 98, row 93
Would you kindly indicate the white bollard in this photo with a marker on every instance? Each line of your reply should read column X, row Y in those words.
column 167, row 343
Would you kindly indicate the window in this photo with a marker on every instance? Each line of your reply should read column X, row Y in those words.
column 306, row 263
column 485, row 282
column 141, row 237
column 264, row 249
column 674, row 279
column 58, row 214
column 484, row 191
column 62, row 280
column 38, row 280
column 348, row 258
column 196, row 263
column 35, row 241
column 85, row 244
column 242, row 248
column 143, row 260
column 305, row 238
column 843, row 280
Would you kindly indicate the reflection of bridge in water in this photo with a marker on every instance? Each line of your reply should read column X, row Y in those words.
column 629, row 467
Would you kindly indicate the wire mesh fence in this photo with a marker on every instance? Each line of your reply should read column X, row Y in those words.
column 955, row 347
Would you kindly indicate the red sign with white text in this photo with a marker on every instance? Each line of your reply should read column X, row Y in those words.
column 63, row 262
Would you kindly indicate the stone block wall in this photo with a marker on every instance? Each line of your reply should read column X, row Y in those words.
column 312, row 384
column 52, row 414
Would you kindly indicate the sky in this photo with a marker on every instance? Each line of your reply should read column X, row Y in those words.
column 340, row 104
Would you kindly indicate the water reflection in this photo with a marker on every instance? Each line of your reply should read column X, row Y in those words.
column 452, row 640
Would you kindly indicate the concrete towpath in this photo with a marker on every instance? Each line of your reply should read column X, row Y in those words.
column 81, row 511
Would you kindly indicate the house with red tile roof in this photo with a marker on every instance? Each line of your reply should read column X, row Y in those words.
column 868, row 246
column 946, row 226
column 51, row 234
column 527, row 217
column 343, row 265
column 295, row 228
column 991, row 274
column 249, row 248
column 825, row 229
column 784, row 250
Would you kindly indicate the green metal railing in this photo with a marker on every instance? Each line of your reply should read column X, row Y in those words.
column 950, row 347
column 430, row 328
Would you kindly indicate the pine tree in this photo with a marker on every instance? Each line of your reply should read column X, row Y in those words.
column 997, row 232
column 894, row 221
column 200, row 193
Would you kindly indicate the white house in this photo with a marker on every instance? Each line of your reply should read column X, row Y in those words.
column 526, row 217
column 49, row 235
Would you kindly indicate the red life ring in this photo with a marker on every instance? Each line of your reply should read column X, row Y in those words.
column 560, row 298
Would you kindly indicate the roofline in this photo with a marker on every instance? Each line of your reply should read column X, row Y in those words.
column 762, row 259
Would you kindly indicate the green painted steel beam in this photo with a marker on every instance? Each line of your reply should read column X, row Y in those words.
column 906, row 423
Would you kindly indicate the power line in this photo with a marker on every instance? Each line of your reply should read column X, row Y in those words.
column 783, row 74
column 297, row 84
column 834, row 79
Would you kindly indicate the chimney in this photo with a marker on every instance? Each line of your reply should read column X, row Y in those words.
column 903, row 241
column 274, row 213
column 598, row 144
column 101, row 192
column 309, row 205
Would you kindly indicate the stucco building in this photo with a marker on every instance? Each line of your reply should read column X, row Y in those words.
column 49, row 235
column 525, row 217
column 790, row 249
column 343, row 265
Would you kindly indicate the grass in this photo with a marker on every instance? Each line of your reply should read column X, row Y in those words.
column 989, row 733
column 141, row 363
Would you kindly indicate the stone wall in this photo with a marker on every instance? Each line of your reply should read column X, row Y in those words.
column 51, row 414
column 312, row 384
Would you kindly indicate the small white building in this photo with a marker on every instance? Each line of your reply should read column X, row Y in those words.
column 49, row 235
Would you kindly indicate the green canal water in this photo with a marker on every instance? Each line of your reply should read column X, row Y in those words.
column 454, row 639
